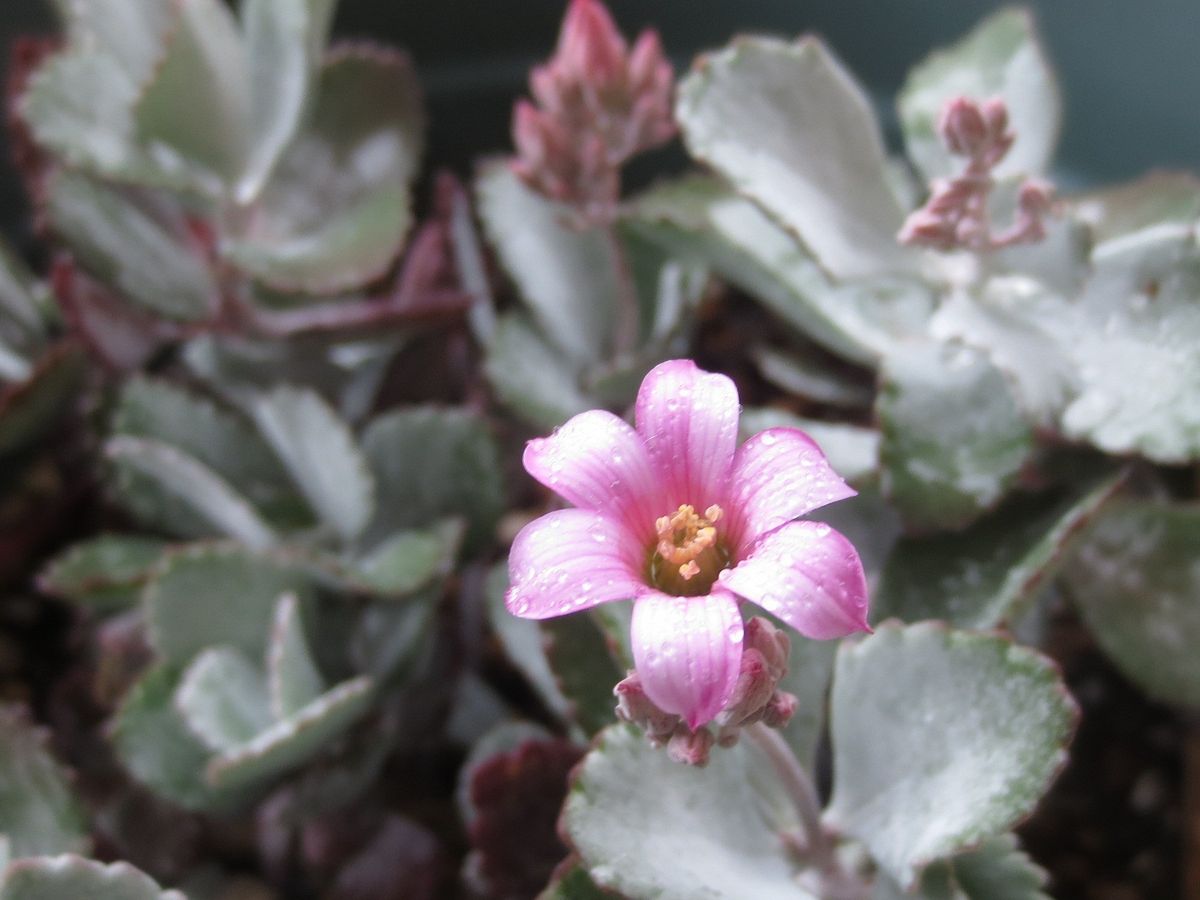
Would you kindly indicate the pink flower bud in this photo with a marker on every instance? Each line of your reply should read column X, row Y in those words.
column 771, row 642
column 598, row 104
column 589, row 46
column 963, row 128
column 1036, row 198
column 780, row 709
column 635, row 707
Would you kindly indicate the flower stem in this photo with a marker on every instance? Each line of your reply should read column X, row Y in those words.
column 799, row 787
column 628, row 312
column 819, row 845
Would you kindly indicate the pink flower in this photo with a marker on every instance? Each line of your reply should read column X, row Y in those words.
column 678, row 518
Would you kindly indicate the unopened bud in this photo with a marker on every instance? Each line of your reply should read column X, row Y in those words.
column 690, row 747
column 590, row 46
column 773, row 643
column 780, row 709
column 635, row 707
column 963, row 128
column 1035, row 197
column 751, row 693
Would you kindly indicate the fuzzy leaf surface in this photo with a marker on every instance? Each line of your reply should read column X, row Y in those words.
column 126, row 245
column 986, row 575
column 411, row 560
column 284, row 41
column 208, row 595
column 105, row 572
column 941, row 739
column 293, row 741
column 197, row 105
column 702, row 220
column 293, row 679
column 1157, row 198
column 632, row 814
column 789, row 127
column 59, row 877
column 1002, row 58
column 321, row 454
column 335, row 212
column 39, row 813
column 221, row 440
column 223, row 698
column 1132, row 338
column 155, row 744
column 1135, row 580
column 954, row 439
column 533, row 378
column 200, row 490
column 430, row 463
column 565, row 275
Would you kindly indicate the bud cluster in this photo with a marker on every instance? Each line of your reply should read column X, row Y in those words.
column 597, row 103
column 956, row 214
column 756, row 698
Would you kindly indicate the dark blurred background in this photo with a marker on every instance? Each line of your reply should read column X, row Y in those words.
column 1129, row 71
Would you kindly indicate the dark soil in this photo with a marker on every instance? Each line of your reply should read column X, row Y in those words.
column 1112, row 827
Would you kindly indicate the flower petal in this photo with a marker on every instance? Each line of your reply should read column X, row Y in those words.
column 688, row 419
column 807, row 574
column 778, row 475
column 569, row 560
column 597, row 461
column 688, row 651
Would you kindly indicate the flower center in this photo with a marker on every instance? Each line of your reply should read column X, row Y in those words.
column 688, row 556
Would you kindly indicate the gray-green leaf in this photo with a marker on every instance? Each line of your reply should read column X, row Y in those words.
column 954, row 439
column 206, row 595
column 105, row 572
column 1136, row 581
column 335, row 212
column 60, row 877
column 430, row 463
column 566, row 274
column 703, row 221
column 223, row 698
column 202, row 492
column 989, row 573
column 321, row 455
column 532, row 378
column 941, row 739
column 633, row 815
column 293, row 679
column 131, row 246
column 39, row 813
column 790, row 128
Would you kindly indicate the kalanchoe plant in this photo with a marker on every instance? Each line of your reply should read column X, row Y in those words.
column 313, row 634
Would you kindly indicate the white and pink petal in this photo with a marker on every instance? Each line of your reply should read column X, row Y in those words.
column 570, row 560
column 807, row 574
column 597, row 461
column 688, row 652
column 688, row 419
column 778, row 475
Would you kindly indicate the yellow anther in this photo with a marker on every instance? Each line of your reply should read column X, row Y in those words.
column 687, row 546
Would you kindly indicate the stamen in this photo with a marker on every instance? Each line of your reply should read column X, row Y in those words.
column 687, row 544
